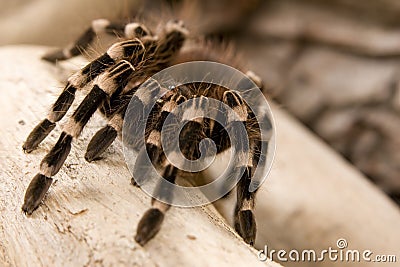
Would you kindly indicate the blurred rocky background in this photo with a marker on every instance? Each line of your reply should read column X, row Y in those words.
column 333, row 64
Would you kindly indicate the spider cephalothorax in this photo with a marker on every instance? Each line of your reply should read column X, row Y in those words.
column 116, row 79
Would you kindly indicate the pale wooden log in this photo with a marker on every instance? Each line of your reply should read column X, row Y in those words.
column 90, row 215
column 313, row 197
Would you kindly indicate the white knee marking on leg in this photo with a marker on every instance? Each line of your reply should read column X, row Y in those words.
column 99, row 25
column 239, row 113
column 149, row 88
column 247, row 204
column 173, row 26
column 52, row 116
column 45, row 169
column 161, row 206
column 129, row 30
column 250, row 159
column 211, row 125
column 254, row 77
column 72, row 128
column 169, row 106
column 144, row 96
column 76, row 79
column 243, row 157
column 116, row 51
column 116, row 122
column 106, row 83
column 154, row 138
column 67, row 52
column 145, row 93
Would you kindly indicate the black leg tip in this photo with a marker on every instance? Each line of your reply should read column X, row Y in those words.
column 149, row 226
column 140, row 240
column 27, row 149
column 133, row 182
column 28, row 209
column 37, row 135
column 136, row 183
column 53, row 57
column 35, row 193
column 100, row 142
column 90, row 158
column 247, row 226
column 30, row 145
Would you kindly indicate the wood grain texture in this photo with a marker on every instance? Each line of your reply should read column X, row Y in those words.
column 90, row 214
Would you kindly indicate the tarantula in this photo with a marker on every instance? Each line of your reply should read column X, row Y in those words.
column 114, row 78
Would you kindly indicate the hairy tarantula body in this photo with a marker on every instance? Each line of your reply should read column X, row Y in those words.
column 116, row 79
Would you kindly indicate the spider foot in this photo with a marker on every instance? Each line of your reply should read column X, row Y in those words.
column 134, row 183
column 246, row 226
column 100, row 142
column 54, row 56
column 137, row 182
column 149, row 226
column 37, row 135
column 35, row 193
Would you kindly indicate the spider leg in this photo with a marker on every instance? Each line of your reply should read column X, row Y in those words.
column 153, row 149
column 255, row 78
column 106, row 135
column 190, row 136
column 115, row 113
column 76, row 82
column 152, row 219
column 149, row 56
column 105, row 85
column 244, row 219
column 99, row 26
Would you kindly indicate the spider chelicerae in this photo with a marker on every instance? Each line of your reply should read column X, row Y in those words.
column 114, row 79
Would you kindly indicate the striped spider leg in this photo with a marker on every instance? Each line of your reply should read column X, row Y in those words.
column 194, row 131
column 78, row 81
column 98, row 26
column 151, row 54
column 110, row 73
column 105, row 85
column 104, row 137
column 118, row 78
